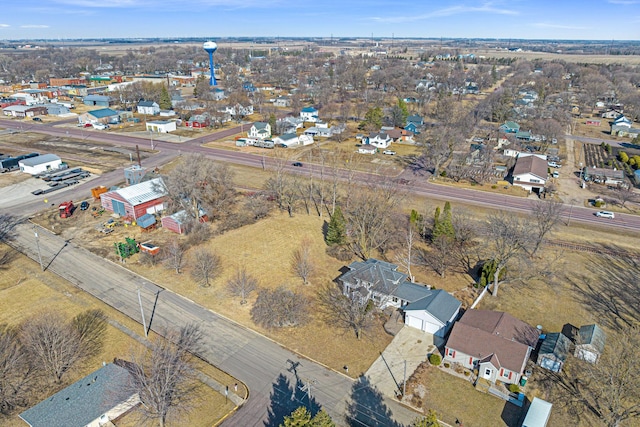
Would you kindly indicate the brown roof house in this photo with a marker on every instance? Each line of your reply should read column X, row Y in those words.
column 530, row 172
column 496, row 343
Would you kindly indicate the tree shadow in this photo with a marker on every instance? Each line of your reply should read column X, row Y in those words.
column 286, row 398
column 367, row 407
column 610, row 287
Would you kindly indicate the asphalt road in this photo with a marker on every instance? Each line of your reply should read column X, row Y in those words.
column 272, row 373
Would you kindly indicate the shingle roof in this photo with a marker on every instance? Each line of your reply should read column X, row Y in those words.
column 143, row 192
column 556, row 344
column 38, row 160
column 146, row 104
column 531, row 164
column 103, row 112
column 83, row 401
column 381, row 275
column 439, row 303
column 482, row 333
column 592, row 335
column 260, row 125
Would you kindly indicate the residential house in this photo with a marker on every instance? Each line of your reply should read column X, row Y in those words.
column 282, row 101
column 524, row 136
column 161, row 126
column 218, row 94
column 198, row 121
column 238, row 110
column 39, row 164
column 612, row 113
column 510, row 127
column 176, row 99
column 431, row 311
column 261, row 130
column 380, row 140
column 22, row 111
column 530, row 172
column 620, row 125
column 495, row 343
column 288, row 124
column 553, row 351
column 136, row 200
column 590, row 342
column 309, row 114
column 150, row 108
column 400, row 135
column 367, row 149
column 95, row 400
column 97, row 100
column 104, row 116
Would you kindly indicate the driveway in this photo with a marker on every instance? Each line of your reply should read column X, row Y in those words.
column 410, row 346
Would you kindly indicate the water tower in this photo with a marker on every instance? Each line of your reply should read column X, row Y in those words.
column 211, row 47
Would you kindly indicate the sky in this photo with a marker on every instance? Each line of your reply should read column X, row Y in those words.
column 514, row 19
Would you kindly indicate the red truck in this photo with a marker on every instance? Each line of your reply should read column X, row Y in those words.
column 66, row 209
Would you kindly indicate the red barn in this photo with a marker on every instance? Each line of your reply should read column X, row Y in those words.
column 137, row 200
column 179, row 220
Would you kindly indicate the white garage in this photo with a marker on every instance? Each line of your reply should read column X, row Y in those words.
column 39, row 164
column 434, row 313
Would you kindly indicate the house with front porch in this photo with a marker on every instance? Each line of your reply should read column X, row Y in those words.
column 495, row 343
column 260, row 130
column 510, row 127
column 309, row 114
column 429, row 310
column 148, row 107
column 380, row 140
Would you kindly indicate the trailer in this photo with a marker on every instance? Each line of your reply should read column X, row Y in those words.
column 51, row 176
column 97, row 191
column 11, row 163
column 54, row 187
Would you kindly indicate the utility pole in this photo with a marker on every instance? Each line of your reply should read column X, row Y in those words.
column 144, row 323
column 38, row 247
column 404, row 381
column 306, row 388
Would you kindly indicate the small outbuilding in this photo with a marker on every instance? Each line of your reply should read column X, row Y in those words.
column 538, row 413
column 553, row 351
column 147, row 222
column 590, row 342
column 39, row 164
column 137, row 200
column 97, row 100
column 161, row 126
column 179, row 221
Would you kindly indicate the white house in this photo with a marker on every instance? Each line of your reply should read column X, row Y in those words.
column 148, row 107
column 39, row 164
column 380, row 140
column 530, row 172
column 309, row 114
column 367, row 149
column 161, row 126
column 282, row 101
column 260, row 130
column 431, row 311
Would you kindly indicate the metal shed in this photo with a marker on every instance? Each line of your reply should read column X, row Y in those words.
column 136, row 200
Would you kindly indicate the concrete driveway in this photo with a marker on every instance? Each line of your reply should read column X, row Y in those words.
column 410, row 346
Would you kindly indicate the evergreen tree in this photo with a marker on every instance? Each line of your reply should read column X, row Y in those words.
column 402, row 105
column 442, row 223
column 336, row 230
column 272, row 122
column 298, row 418
column 373, row 119
column 322, row 419
column 165, row 99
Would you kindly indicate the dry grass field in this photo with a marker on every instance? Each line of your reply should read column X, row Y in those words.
column 25, row 291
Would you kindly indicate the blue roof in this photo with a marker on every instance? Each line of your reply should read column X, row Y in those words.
column 309, row 110
column 96, row 98
column 84, row 401
column 439, row 303
column 146, row 220
column 103, row 112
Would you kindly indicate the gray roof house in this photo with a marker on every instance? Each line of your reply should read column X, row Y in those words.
column 590, row 342
column 94, row 400
column 553, row 351
column 431, row 311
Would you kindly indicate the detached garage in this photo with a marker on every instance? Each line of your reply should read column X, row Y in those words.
column 137, row 200
column 434, row 313
column 39, row 164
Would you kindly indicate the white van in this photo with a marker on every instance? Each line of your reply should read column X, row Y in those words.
column 605, row 214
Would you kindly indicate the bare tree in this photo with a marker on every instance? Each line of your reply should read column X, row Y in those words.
column 625, row 193
column 164, row 374
column 242, row 284
column 15, row 371
column 302, row 261
column 438, row 257
column 507, row 236
column 7, row 233
column 547, row 215
column 174, row 255
column 206, row 265
column 53, row 346
column 607, row 388
column 91, row 326
column 405, row 257
column 349, row 313
column 279, row 308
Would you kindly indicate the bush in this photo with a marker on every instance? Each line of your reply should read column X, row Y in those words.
column 280, row 308
column 341, row 253
column 446, row 365
column 493, row 187
column 443, row 173
column 467, row 373
column 435, row 359
column 514, row 388
column 598, row 203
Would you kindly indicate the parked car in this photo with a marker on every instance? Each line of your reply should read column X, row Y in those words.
column 554, row 141
column 389, row 152
column 297, row 164
column 100, row 126
column 605, row 214
column 36, row 119
column 556, row 174
column 84, row 206
column 88, row 125
column 554, row 165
